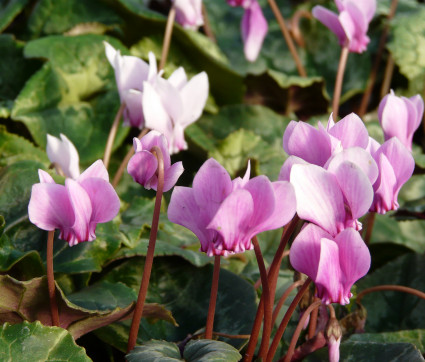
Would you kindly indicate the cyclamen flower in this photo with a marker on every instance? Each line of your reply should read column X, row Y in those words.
column 189, row 13
column 143, row 165
column 334, row 263
column 226, row 214
column 333, row 335
column 76, row 208
column 63, row 153
column 171, row 105
column 400, row 117
column 253, row 27
column 396, row 165
column 131, row 73
column 351, row 24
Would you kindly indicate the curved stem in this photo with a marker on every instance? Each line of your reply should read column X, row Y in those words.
column 370, row 221
column 396, row 288
column 268, row 303
column 138, row 311
column 213, row 299
column 298, row 330
column 51, row 279
column 388, row 75
column 313, row 323
column 207, row 26
column 257, row 284
column 338, row 82
column 284, row 296
column 331, row 311
column 285, row 320
column 272, row 277
column 111, row 136
column 287, row 37
column 124, row 162
column 167, row 37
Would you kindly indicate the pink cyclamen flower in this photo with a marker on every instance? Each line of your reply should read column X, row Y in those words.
column 63, row 153
column 189, row 13
column 226, row 214
column 334, row 263
column 400, row 117
column 131, row 73
column 333, row 335
column 351, row 24
column 143, row 165
column 253, row 27
column 396, row 164
column 170, row 105
column 76, row 207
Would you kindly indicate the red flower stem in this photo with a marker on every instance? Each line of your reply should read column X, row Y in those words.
column 388, row 75
column 258, row 282
column 272, row 277
column 111, row 136
column 207, row 25
column 331, row 311
column 124, row 162
column 282, row 299
column 397, row 288
column 338, row 82
column 51, row 279
column 372, row 78
column 213, row 299
column 138, row 311
column 268, row 303
column 313, row 323
column 288, row 38
column 285, row 320
column 370, row 221
column 167, row 37
column 299, row 328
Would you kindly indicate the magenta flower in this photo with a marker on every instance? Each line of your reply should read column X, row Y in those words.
column 143, row 165
column 333, row 200
column 131, row 73
column 76, row 208
column 400, row 117
column 253, row 27
column 226, row 214
column 351, row 24
column 171, row 105
column 396, row 165
column 63, row 153
column 334, row 263
column 189, row 13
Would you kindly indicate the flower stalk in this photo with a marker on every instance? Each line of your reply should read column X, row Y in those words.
column 213, row 299
column 397, row 288
column 111, row 136
column 138, row 311
column 338, row 82
column 51, row 280
column 167, row 37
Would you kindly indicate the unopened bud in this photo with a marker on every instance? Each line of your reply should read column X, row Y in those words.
column 333, row 334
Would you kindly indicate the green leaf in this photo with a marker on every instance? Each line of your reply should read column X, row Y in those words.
column 391, row 310
column 407, row 47
column 58, row 16
column 185, row 291
column 415, row 337
column 371, row 351
column 151, row 351
column 74, row 93
column 9, row 9
column 207, row 350
column 38, row 343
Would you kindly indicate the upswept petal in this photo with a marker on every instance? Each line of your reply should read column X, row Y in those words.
column 319, row 198
column 359, row 157
column 351, row 131
column 45, row 178
column 154, row 138
column 232, row 221
column 133, row 112
column 178, row 78
column 356, row 187
column 49, row 207
column 82, row 207
column 153, row 70
column 97, row 169
column 307, row 142
column 304, row 254
column 328, row 278
column 331, row 21
column 254, row 29
column 170, row 98
column 384, row 187
column 194, row 96
column 172, row 175
column 285, row 171
column 142, row 167
column 263, row 198
column 354, row 258
column 211, row 185
column 64, row 154
column 238, row 182
column 418, row 102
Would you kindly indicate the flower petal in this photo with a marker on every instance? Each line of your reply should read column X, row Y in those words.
column 64, row 154
column 172, row 175
column 97, row 169
column 263, row 198
column 142, row 167
column 285, row 171
column 45, row 178
column 133, row 112
column 331, row 21
column 351, row 131
column 178, row 78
